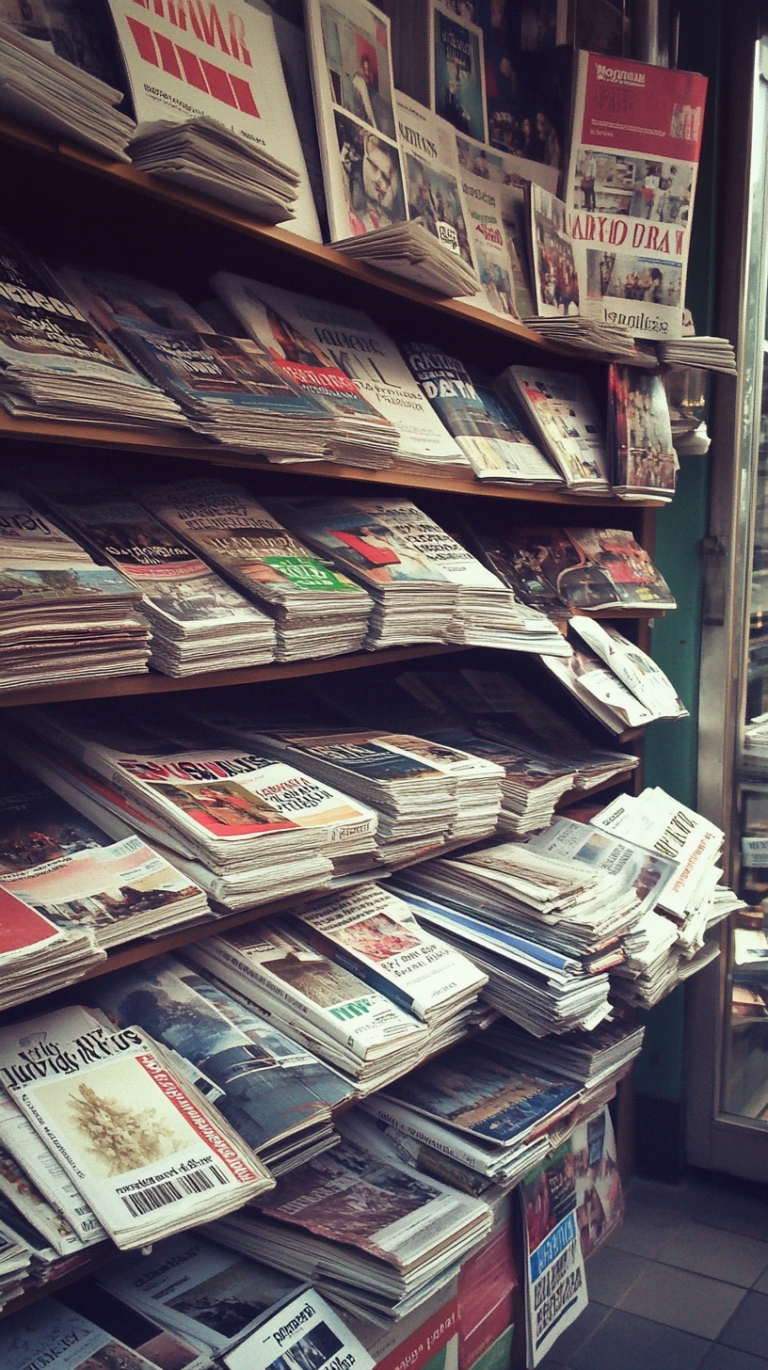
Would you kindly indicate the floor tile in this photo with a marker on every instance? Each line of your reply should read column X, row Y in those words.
column 611, row 1274
column 574, row 1337
column 761, row 1285
column 711, row 1251
column 643, row 1233
column 748, row 1328
column 624, row 1342
column 725, row 1358
column 731, row 1205
column 680, row 1299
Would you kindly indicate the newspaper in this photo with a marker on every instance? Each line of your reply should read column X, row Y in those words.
column 198, row 1290
column 17, row 1187
column 634, row 667
column 489, row 245
column 137, row 1141
column 374, row 934
column 487, row 432
column 305, row 1333
column 640, row 440
column 562, row 413
column 267, row 960
column 29, row 539
column 600, row 692
column 555, row 1283
column 599, row 1195
column 644, row 872
column 53, row 1335
column 629, row 189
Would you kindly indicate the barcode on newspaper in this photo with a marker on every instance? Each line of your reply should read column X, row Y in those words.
column 170, row 1191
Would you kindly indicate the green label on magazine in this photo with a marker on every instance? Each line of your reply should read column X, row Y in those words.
column 308, row 573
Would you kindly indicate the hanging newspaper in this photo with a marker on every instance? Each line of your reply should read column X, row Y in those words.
column 555, row 1282
column 306, row 1332
column 630, row 187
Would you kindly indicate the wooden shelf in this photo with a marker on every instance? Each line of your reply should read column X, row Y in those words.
column 185, row 446
column 155, row 684
column 122, row 174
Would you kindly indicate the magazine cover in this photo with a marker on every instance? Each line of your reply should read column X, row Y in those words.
column 644, row 460
column 298, row 335
column 630, row 187
column 487, row 432
column 526, row 84
column 350, row 59
column 29, row 539
column 457, row 69
column 197, row 1289
column 565, row 416
column 555, row 1283
column 529, row 561
column 433, row 187
column 305, row 1335
column 599, row 1195
column 179, row 71
column 489, row 245
column 634, row 579
column 555, row 277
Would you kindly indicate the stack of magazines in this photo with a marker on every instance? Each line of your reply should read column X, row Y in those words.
column 61, row 616
column 37, row 955
column 606, row 341
column 424, row 793
column 307, row 340
column 276, row 1096
column 41, row 87
column 54, row 364
column 71, row 872
column 374, row 1236
column 226, row 387
column 146, row 1150
column 471, row 1112
column 425, row 586
column 245, row 828
column 318, row 611
column 321, row 1005
column 198, row 622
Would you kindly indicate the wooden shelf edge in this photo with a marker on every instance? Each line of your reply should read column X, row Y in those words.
column 155, row 684
column 186, row 447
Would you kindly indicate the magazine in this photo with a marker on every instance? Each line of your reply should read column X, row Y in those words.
column 179, row 73
column 138, row 1141
column 617, row 564
column 487, row 432
column 305, row 1335
column 555, row 1283
column 599, row 691
column 489, row 244
column 633, row 667
column 433, row 186
column 564, row 417
column 30, row 540
column 630, row 186
column 268, row 960
column 53, row 1335
column 599, row 1195
column 557, row 285
column 198, row 1290
column 644, row 461
column 456, row 69
column 350, row 62
column 374, row 934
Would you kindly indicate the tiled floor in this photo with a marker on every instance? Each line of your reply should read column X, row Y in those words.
column 682, row 1285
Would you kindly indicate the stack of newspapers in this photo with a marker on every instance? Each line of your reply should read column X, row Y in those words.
column 226, row 388
column 320, row 1004
column 55, row 364
column 314, row 345
column 245, row 828
column 425, row 586
column 595, row 1061
column 690, row 903
column 69, row 871
column 276, row 1095
column 142, row 1145
column 204, row 155
column 36, row 955
column 410, row 250
column 489, row 1118
column 374, row 1236
column 40, row 87
column 318, row 611
column 15, row 1264
column 61, row 615
column 200, row 1294
column 424, row 793
column 606, row 341
column 710, row 354
column 198, row 621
